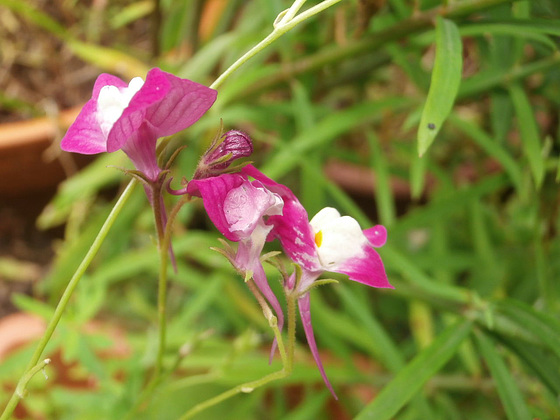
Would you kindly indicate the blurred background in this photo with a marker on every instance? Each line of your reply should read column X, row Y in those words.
column 472, row 328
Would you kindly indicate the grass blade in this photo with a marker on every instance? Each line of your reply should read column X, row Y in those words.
column 446, row 78
column 540, row 325
column 511, row 396
column 529, row 132
column 409, row 381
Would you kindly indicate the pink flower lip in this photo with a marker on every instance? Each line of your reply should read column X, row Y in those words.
column 163, row 105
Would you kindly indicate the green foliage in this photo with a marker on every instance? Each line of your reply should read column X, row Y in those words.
column 471, row 329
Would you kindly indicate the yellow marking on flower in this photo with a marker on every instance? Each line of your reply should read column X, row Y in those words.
column 319, row 238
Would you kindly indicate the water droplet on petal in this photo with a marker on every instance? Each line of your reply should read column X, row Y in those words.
column 377, row 235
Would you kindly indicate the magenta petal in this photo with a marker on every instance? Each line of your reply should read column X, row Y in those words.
column 183, row 105
column 141, row 149
column 103, row 80
column 305, row 314
column 213, row 192
column 84, row 135
column 292, row 228
column 262, row 283
column 367, row 269
column 153, row 91
column 376, row 235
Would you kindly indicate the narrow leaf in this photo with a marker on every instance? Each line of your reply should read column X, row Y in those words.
column 409, row 381
column 446, row 78
column 511, row 396
column 383, row 193
column 492, row 147
column 529, row 132
column 542, row 326
column 546, row 367
column 326, row 130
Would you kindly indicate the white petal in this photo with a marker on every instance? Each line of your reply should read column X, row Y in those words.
column 112, row 101
column 326, row 215
column 341, row 239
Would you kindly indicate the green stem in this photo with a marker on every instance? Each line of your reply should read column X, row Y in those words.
column 164, row 242
column 248, row 387
column 12, row 403
column 291, row 299
column 20, row 389
column 163, row 248
column 164, row 235
column 287, row 21
column 268, row 314
column 370, row 44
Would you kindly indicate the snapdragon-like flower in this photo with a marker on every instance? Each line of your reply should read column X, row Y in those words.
column 239, row 209
column 329, row 242
column 133, row 116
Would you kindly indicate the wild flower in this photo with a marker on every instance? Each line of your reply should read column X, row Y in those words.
column 329, row 242
column 131, row 117
column 239, row 208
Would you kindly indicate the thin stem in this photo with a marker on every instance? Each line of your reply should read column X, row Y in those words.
column 12, row 403
column 369, row 44
column 266, row 309
column 163, row 248
column 291, row 299
column 248, row 387
column 164, row 242
column 291, row 12
column 243, row 388
column 20, row 389
column 281, row 27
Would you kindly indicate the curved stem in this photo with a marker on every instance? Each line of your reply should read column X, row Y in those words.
column 287, row 22
column 248, row 387
column 12, row 403
column 20, row 389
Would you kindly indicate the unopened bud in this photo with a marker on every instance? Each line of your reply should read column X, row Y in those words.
column 231, row 146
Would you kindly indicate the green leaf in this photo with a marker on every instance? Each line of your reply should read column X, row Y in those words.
column 446, row 78
column 448, row 203
column 33, row 306
column 547, row 368
column 492, row 147
column 529, row 29
column 418, row 175
column 383, row 193
column 530, row 137
column 131, row 13
column 327, row 130
column 383, row 346
column 542, row 326
column 511, row 396
column 409, row 380
column 108, row 59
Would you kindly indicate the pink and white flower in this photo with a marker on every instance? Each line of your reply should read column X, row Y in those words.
column 133, row 116
column 239, row 209
column 329, row 242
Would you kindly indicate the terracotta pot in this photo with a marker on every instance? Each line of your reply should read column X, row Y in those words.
column 27, row 162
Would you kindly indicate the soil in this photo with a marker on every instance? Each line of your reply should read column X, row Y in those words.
column 40, row 79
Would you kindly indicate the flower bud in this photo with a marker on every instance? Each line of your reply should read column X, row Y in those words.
column 217, row 159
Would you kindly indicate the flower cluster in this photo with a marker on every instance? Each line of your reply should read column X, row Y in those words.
column 246, row 206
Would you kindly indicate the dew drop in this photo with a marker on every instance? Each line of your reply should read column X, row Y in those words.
column 377, row 235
